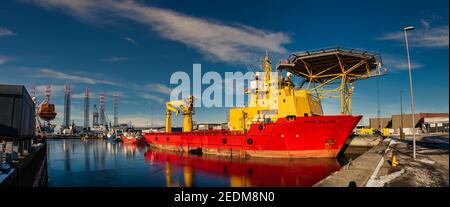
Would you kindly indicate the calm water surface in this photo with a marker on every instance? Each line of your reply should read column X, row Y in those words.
column 73, row 162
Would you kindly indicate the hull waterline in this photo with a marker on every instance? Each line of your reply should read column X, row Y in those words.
column 303, row 137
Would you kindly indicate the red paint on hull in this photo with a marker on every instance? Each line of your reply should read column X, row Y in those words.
column 131, row 140
column 315, row 136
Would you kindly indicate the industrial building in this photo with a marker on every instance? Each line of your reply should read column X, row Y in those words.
column 380, row 123
column 423, row 122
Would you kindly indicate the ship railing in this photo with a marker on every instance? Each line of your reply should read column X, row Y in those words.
column 202, row 133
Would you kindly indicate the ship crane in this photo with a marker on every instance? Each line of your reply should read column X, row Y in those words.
column 186, row 107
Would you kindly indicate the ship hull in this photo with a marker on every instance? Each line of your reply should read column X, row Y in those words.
column 131, row 139
column 303, row 137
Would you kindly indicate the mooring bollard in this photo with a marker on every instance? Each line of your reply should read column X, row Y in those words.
column 394, row 161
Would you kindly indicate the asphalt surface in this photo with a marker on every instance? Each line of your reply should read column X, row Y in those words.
column 429, row 169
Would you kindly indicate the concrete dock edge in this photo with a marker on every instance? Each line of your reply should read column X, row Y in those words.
column 357, row 172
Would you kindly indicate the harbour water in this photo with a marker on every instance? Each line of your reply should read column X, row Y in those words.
column 74, row 162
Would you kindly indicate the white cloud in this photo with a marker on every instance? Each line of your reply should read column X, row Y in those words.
column 56, row 90
column 3, row 60
column 115, row 59
column 426, row 36
column 92, row 95
column 129, row 39
column 216, row 40
column 49, row 73
column 153, row 98
column 5, row 32
column 425, row 23
column 396, row 63
column 159, row 88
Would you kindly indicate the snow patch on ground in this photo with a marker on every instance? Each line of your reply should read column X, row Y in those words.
column 384, row 179
column 426, row 161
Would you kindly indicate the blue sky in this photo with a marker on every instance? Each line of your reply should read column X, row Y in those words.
column 131, row 48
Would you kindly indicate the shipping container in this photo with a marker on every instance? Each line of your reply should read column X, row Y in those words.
column 17, row 111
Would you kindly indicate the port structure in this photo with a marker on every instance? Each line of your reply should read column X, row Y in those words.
column 66, row 122
column 331, row 72
column 86, row 109
column 44, row 110
column 186, row 107
column 95, row 117
column 116, row 110
column 102, row 109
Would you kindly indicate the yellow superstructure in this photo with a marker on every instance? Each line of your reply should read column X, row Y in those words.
column 276, row 98
column 325, row 73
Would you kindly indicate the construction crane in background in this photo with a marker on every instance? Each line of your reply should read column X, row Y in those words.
column 44, row 110
column 86, row 109
column 66, row 121
column 102, row 109
column 95, row 117
column 116, row 112
column 186, row 107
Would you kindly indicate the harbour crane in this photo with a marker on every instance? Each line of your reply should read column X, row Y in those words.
column 186, row 107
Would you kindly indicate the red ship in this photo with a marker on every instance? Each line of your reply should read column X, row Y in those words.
column 132, row 137
column 291, row 123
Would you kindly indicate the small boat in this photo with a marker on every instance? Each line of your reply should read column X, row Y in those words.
column 132, row 137
column 115, row 135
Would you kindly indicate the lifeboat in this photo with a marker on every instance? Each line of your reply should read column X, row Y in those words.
column 47, row 111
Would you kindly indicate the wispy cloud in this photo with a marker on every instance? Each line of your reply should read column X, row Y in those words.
column 425, row 36
column 3, row 60
column 5, row 32
column 56, row 90
column 140, row 120
column 129, row 39
column 49, row 73
column 394, row 63
column 115, row 59
column 161, row 88
column 216, row 40
column 152, row 98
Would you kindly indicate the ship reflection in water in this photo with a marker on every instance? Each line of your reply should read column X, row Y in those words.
column 74, row 162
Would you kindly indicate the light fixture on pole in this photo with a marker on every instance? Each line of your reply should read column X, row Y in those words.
column 411, row 90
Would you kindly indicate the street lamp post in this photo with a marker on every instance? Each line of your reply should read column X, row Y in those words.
column 401, row 115
column 411, row 90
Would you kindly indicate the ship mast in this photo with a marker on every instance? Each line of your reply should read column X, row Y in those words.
column 267, row 71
